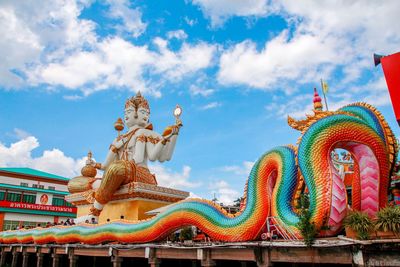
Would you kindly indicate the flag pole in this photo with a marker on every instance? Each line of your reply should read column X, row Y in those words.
column 323, row 91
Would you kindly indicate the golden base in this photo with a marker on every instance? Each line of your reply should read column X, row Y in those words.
column 130, row 209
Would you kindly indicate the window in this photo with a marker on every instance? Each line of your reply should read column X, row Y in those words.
column 24, row 184
column 14, row 197
column 52, row 187
column 35, row 186
column 12, row 225
column 58, row 201
column 41, row 186
column 2, row 194
column 29, row 199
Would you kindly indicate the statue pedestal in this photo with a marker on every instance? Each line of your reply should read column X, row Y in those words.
column 131, row 201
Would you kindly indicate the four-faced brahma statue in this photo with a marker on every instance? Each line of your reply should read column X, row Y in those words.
column 128, row 155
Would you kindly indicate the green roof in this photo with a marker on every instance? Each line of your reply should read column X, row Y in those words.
column 32, row 172
column 33, row 189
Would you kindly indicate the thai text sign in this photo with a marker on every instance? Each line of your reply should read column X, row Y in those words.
column 20, row 205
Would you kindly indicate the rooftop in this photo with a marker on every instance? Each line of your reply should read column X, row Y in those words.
column 32, row 172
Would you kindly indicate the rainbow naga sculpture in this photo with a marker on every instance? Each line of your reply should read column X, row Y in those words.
column 275, row 180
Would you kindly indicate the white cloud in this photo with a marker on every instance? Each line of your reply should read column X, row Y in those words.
column 21, row 134
column 243, row 169
column 373, row 92
column 168, row 178
column 190, row 22
column 34, row 31
column 179, row 34
column 189, row 59
column 296, row 107
column 195, row 90
column 211, row 105
column 19, row 154
column 131, row 17
column 55, row 161
column 75, row 71
column 18, row 45
column 193, row 195
column 220, row 10
column 114, row 62
column 48, row 44
column 224, row 193
column 72, row 97
column 327, row 37
column 301, row 58
column 377, row 92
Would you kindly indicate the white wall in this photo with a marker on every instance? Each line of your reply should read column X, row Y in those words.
column 14, row 181
column 18, row 181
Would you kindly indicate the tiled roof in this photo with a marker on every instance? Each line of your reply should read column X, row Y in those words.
column 32, row 172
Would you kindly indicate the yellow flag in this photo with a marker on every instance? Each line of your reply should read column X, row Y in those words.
column 325, row 87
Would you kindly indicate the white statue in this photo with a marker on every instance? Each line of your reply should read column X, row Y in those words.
column 129, row 153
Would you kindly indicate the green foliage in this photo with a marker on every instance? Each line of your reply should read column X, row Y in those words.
column 237, row 202
column 388, row 219
column 360, row 223
column 172, row 237
column 307, row 228
column 186, row 233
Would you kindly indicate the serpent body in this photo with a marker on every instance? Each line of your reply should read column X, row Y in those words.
column 270, row 189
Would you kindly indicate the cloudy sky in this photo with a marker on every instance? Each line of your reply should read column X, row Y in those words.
column 237, row 67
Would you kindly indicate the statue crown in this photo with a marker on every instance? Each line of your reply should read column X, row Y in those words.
column 137, row 101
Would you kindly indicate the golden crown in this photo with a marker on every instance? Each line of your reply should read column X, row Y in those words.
column 137, row 101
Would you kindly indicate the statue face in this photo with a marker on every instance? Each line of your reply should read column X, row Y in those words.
column 140, row 118
column 143, row 117
column 130, row 117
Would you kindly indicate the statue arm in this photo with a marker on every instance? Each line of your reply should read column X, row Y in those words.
column 153, row 151
column 140, row 147
column 111, row 157
column 169, row 148
column 112, row 154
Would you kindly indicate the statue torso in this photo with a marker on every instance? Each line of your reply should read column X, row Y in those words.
column 148, row 137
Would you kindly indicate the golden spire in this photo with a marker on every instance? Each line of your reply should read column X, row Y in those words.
column 317, row 101
column 302, row 125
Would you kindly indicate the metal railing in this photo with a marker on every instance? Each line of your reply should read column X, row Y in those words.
column 275, row 228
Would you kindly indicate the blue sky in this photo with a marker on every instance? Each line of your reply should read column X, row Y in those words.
column 237, row 68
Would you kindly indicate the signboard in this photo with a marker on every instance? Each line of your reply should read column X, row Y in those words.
column 20, row 205
column 391, row 69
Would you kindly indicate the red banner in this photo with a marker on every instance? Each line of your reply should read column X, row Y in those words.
column 391, row 68
column 21, row 205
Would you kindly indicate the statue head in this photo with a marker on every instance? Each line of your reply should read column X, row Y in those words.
column 137, row 101
column 137, row 111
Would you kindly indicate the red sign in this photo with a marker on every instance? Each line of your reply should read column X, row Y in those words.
column 391, row 69
column 20, row 205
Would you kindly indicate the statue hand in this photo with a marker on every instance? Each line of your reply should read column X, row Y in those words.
column 119, row 142
column 170, row 131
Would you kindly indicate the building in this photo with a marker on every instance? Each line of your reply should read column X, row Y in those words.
column 30, row 197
